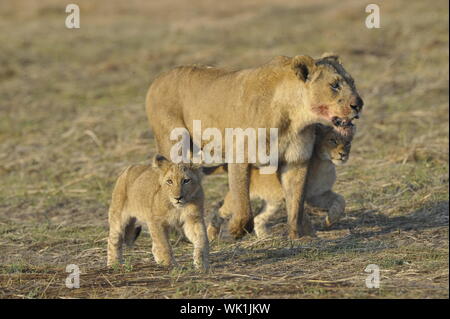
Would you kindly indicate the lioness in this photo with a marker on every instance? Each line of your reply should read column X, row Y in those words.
column 164, row 195
column 290, row 94
column 331, row 148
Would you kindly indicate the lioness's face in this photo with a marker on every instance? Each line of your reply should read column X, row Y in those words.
column 180, row 182
column 335, row 147
column 332, row 94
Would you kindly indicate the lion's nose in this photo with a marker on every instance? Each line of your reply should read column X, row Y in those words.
column 178, row 198
column 357, row 104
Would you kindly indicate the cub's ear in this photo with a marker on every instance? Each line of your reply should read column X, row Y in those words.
column 197, row 168
column 160, row 161
column 322, row 130
column 303, row 66
column 330, row 56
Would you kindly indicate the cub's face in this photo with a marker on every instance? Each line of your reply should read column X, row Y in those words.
column 332, row 94
column 180, row 182
column 335, row 147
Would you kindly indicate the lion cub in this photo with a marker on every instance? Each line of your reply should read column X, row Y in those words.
column 330, row 149
column 163, row 195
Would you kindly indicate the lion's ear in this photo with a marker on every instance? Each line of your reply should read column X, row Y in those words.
column 160, row 162
column 330, row 56
column 303, row 66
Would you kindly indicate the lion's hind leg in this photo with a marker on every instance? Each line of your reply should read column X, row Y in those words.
column 115, row 219
column 241, row 221
column 115, row 242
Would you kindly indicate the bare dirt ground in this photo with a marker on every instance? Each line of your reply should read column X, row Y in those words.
column 72, row 116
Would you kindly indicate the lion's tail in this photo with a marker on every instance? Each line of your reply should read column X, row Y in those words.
column 132, row 232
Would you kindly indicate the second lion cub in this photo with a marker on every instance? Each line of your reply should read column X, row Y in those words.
column 163, row 195
column 331, row 149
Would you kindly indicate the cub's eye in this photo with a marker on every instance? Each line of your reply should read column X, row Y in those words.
column 186, row 180
column 335, row 85
column 334, row 141
column 169, row 182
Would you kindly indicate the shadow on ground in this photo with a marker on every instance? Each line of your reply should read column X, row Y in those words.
column 358, row 231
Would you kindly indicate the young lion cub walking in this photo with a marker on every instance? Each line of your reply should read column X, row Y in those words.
column 165, row 195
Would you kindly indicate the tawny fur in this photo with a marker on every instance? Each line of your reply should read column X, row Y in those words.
column 331, row 149
column 163, row 195
column 290, row 94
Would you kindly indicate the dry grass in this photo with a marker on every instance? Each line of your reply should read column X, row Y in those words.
column 59, row 156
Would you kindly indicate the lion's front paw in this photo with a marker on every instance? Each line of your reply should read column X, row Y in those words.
column 213, row 232
column 307, row 228
column 113, row 263
column 335, row 214
column 238, row 227
column 202, row 265
column 165, row 261
column 262, row 230
column 293, row 234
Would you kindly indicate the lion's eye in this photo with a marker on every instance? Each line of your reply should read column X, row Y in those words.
column 335, row 85
column 186, row 180
column 169, row 182
column 334, row 141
